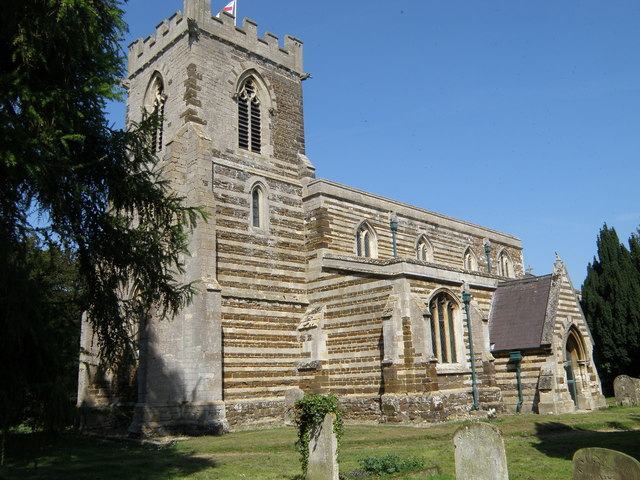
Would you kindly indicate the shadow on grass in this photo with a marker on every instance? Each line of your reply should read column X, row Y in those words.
column 75, row 457
column 559, row 440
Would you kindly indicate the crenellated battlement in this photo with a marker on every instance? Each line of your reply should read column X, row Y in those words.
column 288, row 55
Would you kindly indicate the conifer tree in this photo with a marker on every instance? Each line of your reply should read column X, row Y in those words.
column 611, row 304
column 79, row 186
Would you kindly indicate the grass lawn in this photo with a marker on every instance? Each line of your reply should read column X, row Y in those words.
column 538, row 448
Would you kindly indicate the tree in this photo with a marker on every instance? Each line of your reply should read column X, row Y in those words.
column 42, row 367
column 611, row 304
column 77, row 185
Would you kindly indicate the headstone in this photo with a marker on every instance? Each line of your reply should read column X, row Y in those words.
column 291, row 396
column 602, row 463
column 323, row 451
column 480, row 453
column 627, row 390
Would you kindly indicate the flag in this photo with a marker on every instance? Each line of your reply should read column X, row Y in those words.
column 230, row 8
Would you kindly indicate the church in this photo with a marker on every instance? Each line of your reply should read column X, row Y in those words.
column 307, row 285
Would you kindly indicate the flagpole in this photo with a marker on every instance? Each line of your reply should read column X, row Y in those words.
column 235, row 13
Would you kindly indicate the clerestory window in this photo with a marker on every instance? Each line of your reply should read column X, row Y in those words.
column 249, row 120
column 444, row 313
column 470, row 261
column 505, row 266
column 424, row 251
column 366, row 243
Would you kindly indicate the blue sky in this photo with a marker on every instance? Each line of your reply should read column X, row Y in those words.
column 522, row 116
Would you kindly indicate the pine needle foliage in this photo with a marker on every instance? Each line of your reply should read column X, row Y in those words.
column 77, row 184
column 611, row 304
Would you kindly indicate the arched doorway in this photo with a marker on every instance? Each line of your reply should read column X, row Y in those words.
column 573, row 360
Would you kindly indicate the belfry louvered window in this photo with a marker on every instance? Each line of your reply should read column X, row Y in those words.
column 249, row 117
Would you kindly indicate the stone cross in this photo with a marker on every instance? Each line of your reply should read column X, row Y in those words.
column 627, row 390
column 323, row 452
column 479, row 453
column 602, row 463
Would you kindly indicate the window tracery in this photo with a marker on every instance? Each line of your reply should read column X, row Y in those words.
column 444, row 313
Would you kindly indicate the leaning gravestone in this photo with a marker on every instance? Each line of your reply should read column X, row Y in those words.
column 480, row 453
column 627, row 390
column 323, row 452
column 604, row 464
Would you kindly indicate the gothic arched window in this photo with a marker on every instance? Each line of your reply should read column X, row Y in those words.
column 470, row 261
column 444, row 314
column 424, row 251
column 366, row 243
column 257, row 207
column 249, row 129
column 155, row 99
column 505, row 266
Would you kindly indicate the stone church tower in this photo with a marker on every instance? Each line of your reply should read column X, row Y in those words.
column 232, row 141
column 306, row 285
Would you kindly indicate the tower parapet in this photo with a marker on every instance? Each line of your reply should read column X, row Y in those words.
column 142, row 51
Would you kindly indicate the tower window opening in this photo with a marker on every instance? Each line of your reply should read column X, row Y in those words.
column 249, row 131
column 155, row 100
column 257, row 207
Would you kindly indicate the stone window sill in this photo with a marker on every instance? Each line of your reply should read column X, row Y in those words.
column 452, row 369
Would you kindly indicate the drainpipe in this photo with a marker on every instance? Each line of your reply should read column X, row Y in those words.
column 487, row 252
column 394, row 230
column 466, row 298
column 516, row 357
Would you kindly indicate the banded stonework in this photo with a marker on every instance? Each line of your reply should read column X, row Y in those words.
column 300, row 286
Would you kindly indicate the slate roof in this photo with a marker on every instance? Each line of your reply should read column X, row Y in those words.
column 518, row 313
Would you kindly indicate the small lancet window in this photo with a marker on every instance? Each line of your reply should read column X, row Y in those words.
column 257, row 207
column 249, row 134
column 424, row 252
column 505, row 266
column 444, row 311
column 470, row 262
column 365, row 242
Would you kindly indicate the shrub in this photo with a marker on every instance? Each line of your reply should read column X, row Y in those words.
column 392, row 463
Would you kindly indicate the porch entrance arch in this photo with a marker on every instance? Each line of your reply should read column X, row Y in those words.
column 574, row 360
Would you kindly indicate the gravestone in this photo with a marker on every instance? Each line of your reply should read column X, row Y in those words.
column 323, row 450
column 480, row 453
column 627, row 390
column 291, row 396
column 602, row 463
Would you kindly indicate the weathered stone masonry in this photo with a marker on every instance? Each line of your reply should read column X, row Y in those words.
column 300, row 287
